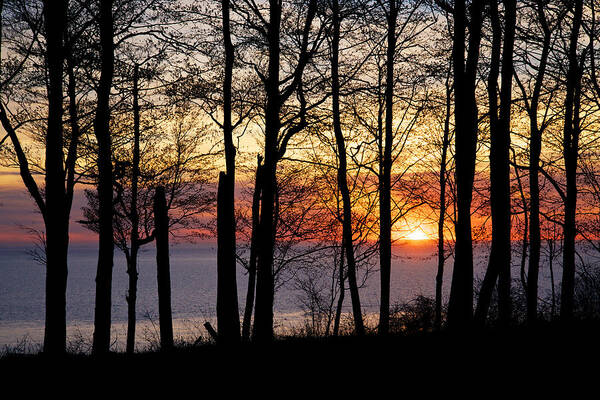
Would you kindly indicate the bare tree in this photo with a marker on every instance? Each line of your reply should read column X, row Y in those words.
column 571, row 132
column 460, row 308
column 500, row 124
column 342, row 171
column 228, row 318
column 55, row 199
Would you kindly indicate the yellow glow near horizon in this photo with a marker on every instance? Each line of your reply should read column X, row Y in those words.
column 417, row 234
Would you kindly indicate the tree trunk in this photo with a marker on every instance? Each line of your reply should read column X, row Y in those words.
column 228, row 317
column 246, row 325
column 102, row 316
column 228, row 320
column 500, row 256
column 385, row 211
column 535, row 148
column 571, row 154
column 275, row 149
column 132, row 271
column 460, row 307
column 263, row 315
column 163, row 269
column 57, row 212
column 342, row 295
column 342, row 175
column 439, row 278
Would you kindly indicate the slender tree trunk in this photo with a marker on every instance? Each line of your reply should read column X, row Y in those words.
column 102, row 316
column 439, row 278
column 500, row 256
column 385, row 210
column 246, row 326
column 132, row 270
column 535, row 148
column 57, row 216
column 228, row 317
column 571, row 154
column 503, row 145
column 524, row 242
column 460, row 307
column 342, row 295
column 342, row 175
column 551, row 247
column 163, row 268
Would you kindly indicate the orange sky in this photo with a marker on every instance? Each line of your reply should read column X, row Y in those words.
column 18, row 212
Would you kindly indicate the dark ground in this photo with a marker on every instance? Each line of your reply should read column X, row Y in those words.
column 541, row 361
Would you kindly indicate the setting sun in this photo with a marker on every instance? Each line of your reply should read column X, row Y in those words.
column 417, row 234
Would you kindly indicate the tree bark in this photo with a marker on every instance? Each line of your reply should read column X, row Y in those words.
column 163, row 268
column 102, row 317
column 460, row 307
column 228, row 317
column 57, row 210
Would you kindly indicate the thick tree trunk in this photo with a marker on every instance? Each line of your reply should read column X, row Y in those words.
column 500, row 256
column 342, row 175
column 102, row 316
column 571, row 154
column 163, row 269
column 385, row 211
column 263, row 315
column 246, row 325
column 228, row 317
column 57, row 215
column 460, row 307
column 274, row 149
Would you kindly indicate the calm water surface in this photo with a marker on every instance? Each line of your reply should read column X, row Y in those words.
column 193, row 274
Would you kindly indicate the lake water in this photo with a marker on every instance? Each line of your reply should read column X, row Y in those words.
column 193, row 274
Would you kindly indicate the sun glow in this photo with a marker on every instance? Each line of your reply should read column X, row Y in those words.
column 417, row 234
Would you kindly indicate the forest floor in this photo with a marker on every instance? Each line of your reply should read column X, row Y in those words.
column 543, row 358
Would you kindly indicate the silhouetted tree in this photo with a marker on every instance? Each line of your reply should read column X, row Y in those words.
column 275, row 146
column 54, row 202
column 57, row 214
column 443, row 181
column 536, row 129
column 460, row 307
column 500, row 124
column 163, row 268
column 102, row 316
column 251, row 288
column 228, row 318
column 571, row 132
column 342, row 172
